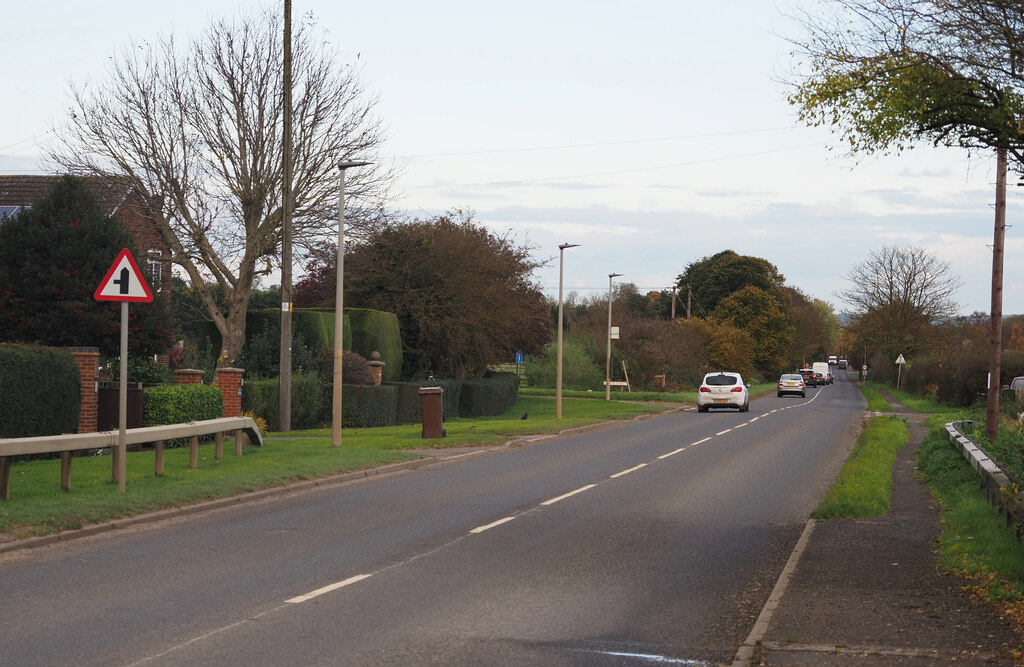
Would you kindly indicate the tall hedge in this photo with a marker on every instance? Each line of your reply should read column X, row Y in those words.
column 40, row 391
column 377, row 331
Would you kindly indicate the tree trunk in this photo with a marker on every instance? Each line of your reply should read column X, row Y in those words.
column 996, row 334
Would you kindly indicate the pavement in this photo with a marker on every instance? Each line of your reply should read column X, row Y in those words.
column 869, row 592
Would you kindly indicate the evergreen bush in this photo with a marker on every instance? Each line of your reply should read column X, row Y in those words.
column 40, row 391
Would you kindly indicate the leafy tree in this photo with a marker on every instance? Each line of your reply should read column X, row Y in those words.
column 464, row 297
column 729, row 347
column 898, row 294
column 892, row 73
column 715, row 277
column 53, row 256
column 808, row 342
column 199, row 129
column 760, row 314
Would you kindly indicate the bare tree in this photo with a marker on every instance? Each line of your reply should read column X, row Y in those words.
column 198, row 131
column 899, row 293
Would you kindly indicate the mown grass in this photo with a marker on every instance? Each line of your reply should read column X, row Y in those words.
column 864, row 485
column 38, row 506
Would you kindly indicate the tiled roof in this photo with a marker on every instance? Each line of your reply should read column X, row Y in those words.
column 18, row 190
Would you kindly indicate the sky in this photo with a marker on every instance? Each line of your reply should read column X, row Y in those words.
column 651, row 133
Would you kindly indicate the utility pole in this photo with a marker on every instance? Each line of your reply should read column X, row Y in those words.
column 285, row 372
column 689, row 297
column 995, row 339
column 673, row 303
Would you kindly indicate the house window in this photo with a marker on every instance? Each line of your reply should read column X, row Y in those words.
column 155, row 265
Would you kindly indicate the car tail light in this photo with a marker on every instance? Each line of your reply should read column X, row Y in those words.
column 737, row 389
column 705, row 390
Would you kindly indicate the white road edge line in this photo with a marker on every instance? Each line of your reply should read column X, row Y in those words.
column 497, row 523
column 626, row 472
column 568, row 495
column 327, row 589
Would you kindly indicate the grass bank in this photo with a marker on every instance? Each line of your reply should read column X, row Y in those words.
column 864, row 486
column 38, row 506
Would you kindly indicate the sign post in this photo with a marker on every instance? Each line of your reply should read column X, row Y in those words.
column 899, row 362
column 123, row 283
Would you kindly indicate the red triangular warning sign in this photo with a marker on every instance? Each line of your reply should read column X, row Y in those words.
column 124, row 282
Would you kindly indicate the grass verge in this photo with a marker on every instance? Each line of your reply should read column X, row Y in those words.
column 38, row 506
column 975, row 541
column 876, row 402
column 864, row 485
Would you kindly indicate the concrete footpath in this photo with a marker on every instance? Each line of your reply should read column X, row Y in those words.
column 868, row 591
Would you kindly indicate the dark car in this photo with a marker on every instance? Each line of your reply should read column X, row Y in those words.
column 810, row 379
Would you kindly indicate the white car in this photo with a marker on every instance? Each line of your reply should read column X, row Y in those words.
column 723, row 390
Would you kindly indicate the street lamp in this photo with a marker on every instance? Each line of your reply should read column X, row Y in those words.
column 608, row 359
column 339, row 311
column 558, row 370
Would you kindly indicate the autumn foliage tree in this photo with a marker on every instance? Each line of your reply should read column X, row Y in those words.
column 464, row 296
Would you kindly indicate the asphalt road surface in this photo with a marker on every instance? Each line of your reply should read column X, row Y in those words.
column 653, row 542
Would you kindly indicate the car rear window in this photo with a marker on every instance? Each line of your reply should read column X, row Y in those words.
column 720, row 380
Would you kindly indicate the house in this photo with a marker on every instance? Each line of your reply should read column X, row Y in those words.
column 118, row 199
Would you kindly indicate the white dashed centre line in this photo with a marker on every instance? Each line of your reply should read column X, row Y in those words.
column 481, row 529
column 626, row 472
column 327, row 589
column 724, row 432
column 568, row 495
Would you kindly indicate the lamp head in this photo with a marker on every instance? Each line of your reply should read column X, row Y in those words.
column 343, row 165
column 568, row 245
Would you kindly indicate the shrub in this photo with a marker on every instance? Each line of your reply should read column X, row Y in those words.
column 365, row 406
column 40, row 391
column 579, row 371
column 181, row 403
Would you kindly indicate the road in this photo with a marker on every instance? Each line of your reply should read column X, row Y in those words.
column 654, row 542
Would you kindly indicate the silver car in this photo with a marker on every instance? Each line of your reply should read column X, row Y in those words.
column 791, row 383
column 723, row 390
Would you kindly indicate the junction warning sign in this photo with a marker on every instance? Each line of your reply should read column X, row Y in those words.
column 124, row 282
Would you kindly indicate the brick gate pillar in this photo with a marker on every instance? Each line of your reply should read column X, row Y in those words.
column 230, row 382
column 88, row 360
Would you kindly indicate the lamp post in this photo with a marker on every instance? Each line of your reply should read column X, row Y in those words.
column 339, row 312
column 558, row 370
column 608, row 359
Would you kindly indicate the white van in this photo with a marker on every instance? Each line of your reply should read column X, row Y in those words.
column 833, row 360
column 822, row 367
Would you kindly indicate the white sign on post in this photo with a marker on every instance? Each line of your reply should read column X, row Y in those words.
column 124, row 283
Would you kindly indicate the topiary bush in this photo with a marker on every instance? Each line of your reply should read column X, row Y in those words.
column 40, row 391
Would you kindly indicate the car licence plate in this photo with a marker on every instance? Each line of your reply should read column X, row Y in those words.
column 721, row 400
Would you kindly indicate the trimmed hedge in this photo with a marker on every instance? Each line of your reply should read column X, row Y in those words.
column 366, row 406
column 408, row 408
column 40, row 391
column 181, row 403
column 491, row 395
column 377, row 331
column 262, row 398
